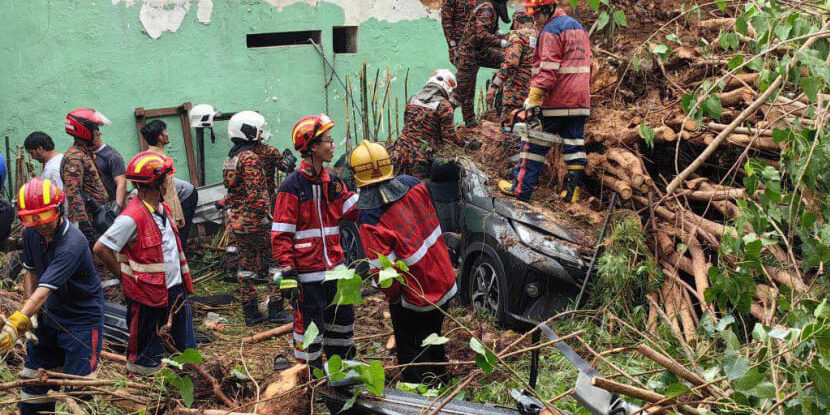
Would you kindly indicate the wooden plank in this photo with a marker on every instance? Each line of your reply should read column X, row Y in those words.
column 140, row 121
column 188, row 145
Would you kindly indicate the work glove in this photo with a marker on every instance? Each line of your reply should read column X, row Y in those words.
column 471, row 143
column 287, row 282
column 15, row 326
column 533, row 103
column 288, row 162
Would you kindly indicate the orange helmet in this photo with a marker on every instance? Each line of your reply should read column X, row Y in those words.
column 39, row 202
column 533, row 6
column 308, row 129
column 148, row 167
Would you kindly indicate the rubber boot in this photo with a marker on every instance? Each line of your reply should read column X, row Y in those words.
column 573, row 186
column 253, row 316
column 506, row 187
column 277, row 314
column 231, row 263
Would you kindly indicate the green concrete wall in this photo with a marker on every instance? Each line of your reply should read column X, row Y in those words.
column 59, row 55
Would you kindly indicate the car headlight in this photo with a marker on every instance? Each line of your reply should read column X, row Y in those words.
column 540, row 242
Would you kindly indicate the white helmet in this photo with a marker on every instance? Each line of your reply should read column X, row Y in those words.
column 202, row 116
column 248, row 126
column 443, row 78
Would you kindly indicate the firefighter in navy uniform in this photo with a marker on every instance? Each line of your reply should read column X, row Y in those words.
column 250, row 204
column 143, row 245
column 481, row 45
column 560, row 93
column 305, row 238
column 428, row 123
column 398, row 220
column 62, row 286
column 81, row 179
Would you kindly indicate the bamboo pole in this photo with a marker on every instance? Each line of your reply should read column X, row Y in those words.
column 364, row 101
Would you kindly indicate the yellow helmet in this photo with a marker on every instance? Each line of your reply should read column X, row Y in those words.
column 370, row 163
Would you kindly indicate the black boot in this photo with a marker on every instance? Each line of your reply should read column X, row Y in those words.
column 277, row 314
column 573, row 186
column 253, row 316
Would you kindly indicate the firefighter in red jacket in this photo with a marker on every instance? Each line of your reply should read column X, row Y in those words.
column 305, row 238
column 560, row 93
column 143, row 245
column 398, row 221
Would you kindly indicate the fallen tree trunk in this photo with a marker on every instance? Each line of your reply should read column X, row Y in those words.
column 265, row 335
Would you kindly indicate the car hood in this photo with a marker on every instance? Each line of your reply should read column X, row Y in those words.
column 526, row 214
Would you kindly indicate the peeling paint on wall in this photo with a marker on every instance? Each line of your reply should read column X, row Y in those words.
column 358, row 11
column 159, row 16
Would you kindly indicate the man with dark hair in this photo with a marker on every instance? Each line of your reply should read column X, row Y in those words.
column 155, row 134
column 112, row 170
column 41, row 148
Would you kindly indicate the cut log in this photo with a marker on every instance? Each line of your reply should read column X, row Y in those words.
column 265, row 335
column 700, row 268
column 707, row 195
column 741, row 80
column 284, row 394
column 639, row 393
column 740, row 130
column 758, row 143
column 618, row 186
column 734, row 98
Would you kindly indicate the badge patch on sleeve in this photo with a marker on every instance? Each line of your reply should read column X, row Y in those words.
column 230, row 163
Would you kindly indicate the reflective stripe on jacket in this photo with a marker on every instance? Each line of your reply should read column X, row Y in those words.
column 562, row 67
column 305, row 235
column 408, row 230
column 142, row 261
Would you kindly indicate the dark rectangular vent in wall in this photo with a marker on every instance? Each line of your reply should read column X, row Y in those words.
column 344, row 39
column 265, row 40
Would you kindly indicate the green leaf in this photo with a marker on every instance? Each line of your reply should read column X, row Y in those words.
column 741, row 25
column 671, row 37
column 602, row 20
column 735, row 62
column 311, row 333
column 779, row 334
column 647, row 134
column 748, row 380
column 734, row 365
column 387, row 274
column 721, row 4
column 635, row 63
column 593, row 4
column 676, row 389
column 402, row 265
column 822, row 310
column 318, row 373
column 239, row 373
column 384, row 261
column 477, row 346
column 661, row 49
column 619, row 18
column 759, row 333
column 434, row 339
column 348, row 291
column 189, row 356
column 173, row 363
column 186, row 390
column 574, row 4
column 712, row 107
column 374, row 377
column 340, row 272
column 725, row 322
column 811, row 86
column 485, row 359
column 820, row 377
column 348, row 405
column 687, row 101
column 782, row 30
column 731, row 339
column 334, row 364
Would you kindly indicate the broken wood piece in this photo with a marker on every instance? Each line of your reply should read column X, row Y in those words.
column 640, row 393
column 285, row 394
column 618, row 186
column 708, row 195
column 740, row 130
column 678, row 369
column 265, row 335
column 114, row 357
column 70, row 403
column 758, row 143
column 390, row 343
column 741, row 80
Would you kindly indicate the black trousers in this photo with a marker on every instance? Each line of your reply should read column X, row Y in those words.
column 189, row 209
column 411, row 328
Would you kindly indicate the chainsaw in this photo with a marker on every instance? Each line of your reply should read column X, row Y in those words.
column 529, row 128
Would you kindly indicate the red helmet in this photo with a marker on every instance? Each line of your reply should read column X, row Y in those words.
column 39, row 202
column 533, row 6
column 82, row 122
column 148, row 167
column 308, row 129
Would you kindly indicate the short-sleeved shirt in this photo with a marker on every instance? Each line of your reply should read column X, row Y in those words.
column 65, row 267
column 111, row 164
column 52, row 170
column 183, row 188
column 124, row 230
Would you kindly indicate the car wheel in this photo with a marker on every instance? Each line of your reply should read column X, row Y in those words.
column 487, row 288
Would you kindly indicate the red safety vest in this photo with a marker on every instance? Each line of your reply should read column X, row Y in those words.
column 142, row 261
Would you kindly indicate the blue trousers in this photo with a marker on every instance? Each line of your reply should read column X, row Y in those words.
column 75, row 350
column 145, row 349
column 334, row 322
column 532, row 155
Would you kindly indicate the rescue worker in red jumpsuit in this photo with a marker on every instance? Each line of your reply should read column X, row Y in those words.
column 454, row 15
column 398, row 221
column 428, row 123
column 560, row 93
column 81, row 178
column 250, row 203
column 143, row 245
column 61, row 288
column 481, row 45
column 513, row 78
column 305, row 238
